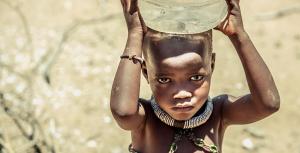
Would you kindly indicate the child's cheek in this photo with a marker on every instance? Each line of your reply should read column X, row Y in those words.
column 203, row 89
column 160, row 91
column 158, row 88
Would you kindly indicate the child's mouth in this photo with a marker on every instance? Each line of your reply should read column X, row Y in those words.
column 182, row 108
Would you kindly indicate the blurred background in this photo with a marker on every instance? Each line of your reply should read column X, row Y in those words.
column 58, row 59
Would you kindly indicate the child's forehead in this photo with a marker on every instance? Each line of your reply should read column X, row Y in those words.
column 173, row 44
column 185, row 64
column 176, row 45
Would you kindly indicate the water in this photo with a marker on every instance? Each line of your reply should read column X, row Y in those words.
column 183, row 16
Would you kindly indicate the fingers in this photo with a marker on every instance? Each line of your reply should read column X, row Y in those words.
column 225, row 24
column 233, row 7
column 233, row 4
column 228, row 4
column 124, row 5
column 130, row 6
column 122, row 2
column 132, row 16
column 233, row 1
column 133, row 6
column 222, row 25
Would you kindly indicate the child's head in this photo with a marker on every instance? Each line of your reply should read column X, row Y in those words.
column 178, row 69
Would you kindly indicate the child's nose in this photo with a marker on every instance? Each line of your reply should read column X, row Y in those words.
column 182, row 94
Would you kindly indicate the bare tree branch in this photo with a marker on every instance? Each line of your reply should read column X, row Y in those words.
column 23, row 20
column 43, row 67
column 12, row 70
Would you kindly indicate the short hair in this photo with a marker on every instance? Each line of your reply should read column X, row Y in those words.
column 156, row 35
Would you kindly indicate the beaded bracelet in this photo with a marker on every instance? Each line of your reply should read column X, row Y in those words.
column 134, row 59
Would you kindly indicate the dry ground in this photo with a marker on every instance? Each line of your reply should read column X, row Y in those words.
column 74, row 109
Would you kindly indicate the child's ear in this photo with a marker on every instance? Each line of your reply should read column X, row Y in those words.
column 213, row 58
column 144, row 71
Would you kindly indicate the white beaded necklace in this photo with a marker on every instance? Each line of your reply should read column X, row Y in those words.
column 188, row 124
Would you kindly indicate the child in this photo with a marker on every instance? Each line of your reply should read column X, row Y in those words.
column 180, row 117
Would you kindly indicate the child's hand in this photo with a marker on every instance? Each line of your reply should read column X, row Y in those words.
column 233, row 24
column 135, row 23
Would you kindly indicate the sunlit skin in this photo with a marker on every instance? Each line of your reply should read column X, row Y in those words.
column 178, row 69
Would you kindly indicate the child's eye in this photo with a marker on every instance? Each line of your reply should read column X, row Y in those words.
column 196, row 77
column 163, row 80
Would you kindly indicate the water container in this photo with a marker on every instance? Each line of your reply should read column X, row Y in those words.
column 183, row 16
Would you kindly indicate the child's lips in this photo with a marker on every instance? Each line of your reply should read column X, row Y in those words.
column 183, row 108
column 184, row 104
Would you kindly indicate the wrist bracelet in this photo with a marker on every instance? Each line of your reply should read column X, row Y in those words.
column 133, row 58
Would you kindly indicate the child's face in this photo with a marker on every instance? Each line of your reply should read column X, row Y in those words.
column 179, row 73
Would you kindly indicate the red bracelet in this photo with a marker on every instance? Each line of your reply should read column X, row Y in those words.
column 134, row 59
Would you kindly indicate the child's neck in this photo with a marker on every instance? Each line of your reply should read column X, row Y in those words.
column 198, row 119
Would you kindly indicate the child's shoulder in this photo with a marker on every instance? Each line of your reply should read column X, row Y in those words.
column 221, row 99
column 146, row 103
column 218, row 103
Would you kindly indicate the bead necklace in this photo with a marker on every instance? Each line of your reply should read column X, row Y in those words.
column 191, row 123
column 185, row 128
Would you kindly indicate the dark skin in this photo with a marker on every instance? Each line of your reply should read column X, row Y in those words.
column 181, row 69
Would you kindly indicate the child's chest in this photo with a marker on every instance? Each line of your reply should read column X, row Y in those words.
column 162, row 139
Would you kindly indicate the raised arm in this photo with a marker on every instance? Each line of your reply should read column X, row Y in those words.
column 126, row 86
column 263, row 99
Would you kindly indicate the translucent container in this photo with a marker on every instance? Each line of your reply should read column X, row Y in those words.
column 183, row 16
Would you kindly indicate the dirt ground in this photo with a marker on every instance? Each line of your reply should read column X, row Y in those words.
column 84, row 39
